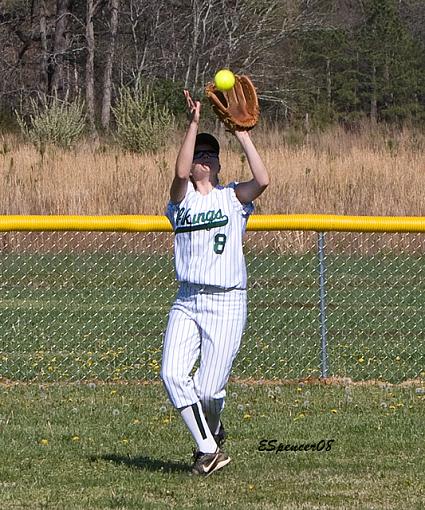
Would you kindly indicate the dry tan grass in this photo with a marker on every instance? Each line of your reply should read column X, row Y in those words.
column 371, row 172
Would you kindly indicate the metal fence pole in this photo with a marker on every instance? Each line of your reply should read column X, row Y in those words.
column 322, row 284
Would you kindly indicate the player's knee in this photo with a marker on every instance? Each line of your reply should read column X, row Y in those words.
column 170, row 379
column 207, row 398
column 165, row 376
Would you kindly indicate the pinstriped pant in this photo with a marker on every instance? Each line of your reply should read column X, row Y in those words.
column 205, row 322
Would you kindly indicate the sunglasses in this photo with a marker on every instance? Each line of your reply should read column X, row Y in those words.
column 199, row 154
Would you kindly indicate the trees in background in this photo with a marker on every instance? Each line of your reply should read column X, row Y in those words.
column 330, row 61
column 370, row 63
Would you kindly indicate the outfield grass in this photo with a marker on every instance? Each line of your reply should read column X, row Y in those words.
column 74, row 316
column 116, row 446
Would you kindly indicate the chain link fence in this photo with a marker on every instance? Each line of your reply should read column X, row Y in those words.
column 93, row 305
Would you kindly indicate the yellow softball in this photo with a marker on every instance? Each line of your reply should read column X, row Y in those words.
column 224, row 79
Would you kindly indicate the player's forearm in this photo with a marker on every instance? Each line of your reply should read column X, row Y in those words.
column 185, row 155
column 259, row 171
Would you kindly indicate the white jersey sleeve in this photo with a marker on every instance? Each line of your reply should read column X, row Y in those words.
column 173, row 207
column 248, row 208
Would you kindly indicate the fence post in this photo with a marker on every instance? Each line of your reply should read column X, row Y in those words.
column 322, row 284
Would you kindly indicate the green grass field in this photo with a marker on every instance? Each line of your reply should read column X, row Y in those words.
column 70, row 441
column 75, row 316
column 117, row 446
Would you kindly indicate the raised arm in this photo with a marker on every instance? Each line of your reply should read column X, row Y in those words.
column 185, row 155
column 250, row 190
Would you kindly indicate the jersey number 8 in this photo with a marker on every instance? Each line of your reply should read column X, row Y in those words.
column 219, row 243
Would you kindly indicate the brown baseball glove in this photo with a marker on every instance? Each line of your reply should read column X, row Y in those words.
column 238, row 107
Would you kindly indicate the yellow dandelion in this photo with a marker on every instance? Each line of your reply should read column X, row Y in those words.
column 251, row 487
column 391, row 407
column 124, row 440
column 136, row 421
column 246, row 416
column 44, row 442
column 334, row 411
column 75, row 439
column 113, row 392
column 299, row 389
column 360, row 359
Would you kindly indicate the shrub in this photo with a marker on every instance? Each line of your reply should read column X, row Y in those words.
column 167, row 92
column 142, row 125
column 51, row 120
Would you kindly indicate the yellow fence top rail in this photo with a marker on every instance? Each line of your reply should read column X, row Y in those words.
column 146, row 223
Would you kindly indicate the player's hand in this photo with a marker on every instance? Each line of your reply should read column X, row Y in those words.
column 194, row 107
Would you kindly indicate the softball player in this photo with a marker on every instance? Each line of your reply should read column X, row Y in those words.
column 208, row 316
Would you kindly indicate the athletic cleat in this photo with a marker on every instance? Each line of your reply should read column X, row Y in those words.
column 221, row 436
column 206, row 463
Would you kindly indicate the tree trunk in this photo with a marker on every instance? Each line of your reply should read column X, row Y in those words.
column 61, row 44
column 90, row 101
column 44, row 71
column 107, row 80
column 328, row 83
column 388, row 95
column 373, row 99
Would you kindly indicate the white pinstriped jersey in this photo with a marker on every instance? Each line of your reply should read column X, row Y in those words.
column 208, row 237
